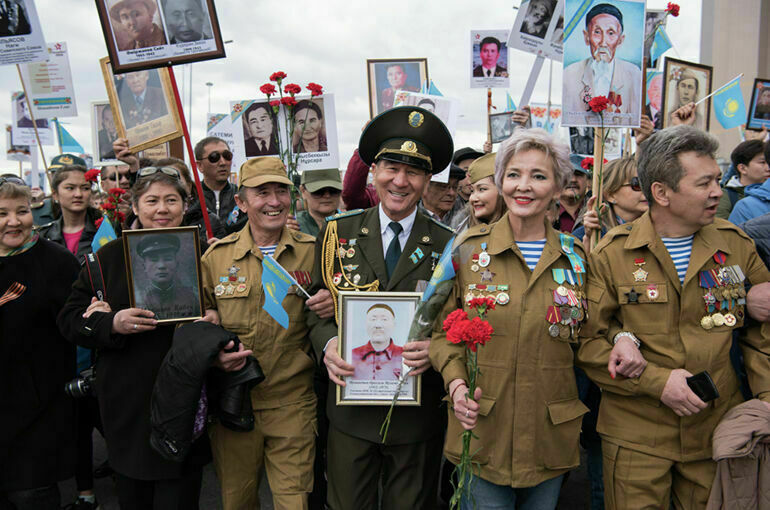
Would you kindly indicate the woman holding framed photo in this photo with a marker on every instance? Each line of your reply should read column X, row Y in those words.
column 131, row 347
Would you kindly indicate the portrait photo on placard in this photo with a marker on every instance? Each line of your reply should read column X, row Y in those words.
column 164, row 272
column 489, row 58
column 386, row 76
column 501, row 125
column 374, row 327
column 23, row 132
column 143, row 106
column 684, row 83
column 581, row 140
column 652, row 19
column 539, row 28
column 603, row 46
column 259, row 125
column 142, row 34
column 654, row 97
column 103, row 132
column 21, row 38
column 759, row 107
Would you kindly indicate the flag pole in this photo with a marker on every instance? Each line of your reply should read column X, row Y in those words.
column 34, row 125
column 720, row 88
column 193, row 166
column 489, row 113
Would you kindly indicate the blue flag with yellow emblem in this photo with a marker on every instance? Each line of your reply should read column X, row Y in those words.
column 104, row 234
column 444, row 271
column 660, row 44
column 729, row 106
column 275, row 283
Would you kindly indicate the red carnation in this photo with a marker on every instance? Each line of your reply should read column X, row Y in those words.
column 478, row 332
column 92, row 175
column 268, row 89
column 98, row 222
column 108, row 206
column 121, row 216
column 278, row 76
column 457, row 315
column 275, row 102
column 598, row 104
column 288, row 101
column 292, row 88
column 315, row 89
column 587, row 163
column 457, row 334
column 486, row 303
column 672, row 9
column 116, row 191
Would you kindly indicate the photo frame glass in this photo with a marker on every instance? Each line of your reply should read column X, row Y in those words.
column 146, row 34
column 759, row 110
column 163, row 269
column 373, row 329
column 501, row 125
column 103, row 133
column 143, row 106
column 388, row 76
column 685, row 82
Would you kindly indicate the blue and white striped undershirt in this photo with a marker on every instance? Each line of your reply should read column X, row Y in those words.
column 680, row 249
column 268, row 250
column 531, row 250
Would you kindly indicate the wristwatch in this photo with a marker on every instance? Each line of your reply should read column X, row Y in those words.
column 629, row 335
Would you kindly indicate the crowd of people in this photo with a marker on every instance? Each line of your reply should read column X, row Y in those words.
column 600, row 316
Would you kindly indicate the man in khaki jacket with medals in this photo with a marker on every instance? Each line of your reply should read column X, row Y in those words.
column 391, row 247
column 672, row 284
column 282, row 442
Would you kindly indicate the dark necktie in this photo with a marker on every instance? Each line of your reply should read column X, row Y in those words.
column 394, row 248
column 489, row 72
column 264, row 149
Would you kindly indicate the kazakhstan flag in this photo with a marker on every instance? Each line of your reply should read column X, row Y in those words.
column 104, row 234
column 729, row 106
column 444, row 271
column 275, row 284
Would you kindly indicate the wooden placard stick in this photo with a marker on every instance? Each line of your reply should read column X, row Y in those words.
column 596, row 182
column 489, row 113
column 34, row 126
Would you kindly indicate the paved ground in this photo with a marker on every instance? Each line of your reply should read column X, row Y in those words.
column 574, row 494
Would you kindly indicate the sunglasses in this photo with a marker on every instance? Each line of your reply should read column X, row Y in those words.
column 214, row 156
column 13, row 180
column 635, row 185
column 152, row 170
column 323, row 191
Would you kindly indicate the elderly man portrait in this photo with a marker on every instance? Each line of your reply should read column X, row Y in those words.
column 140, row 101
column 260, row 125
column 538, row 18
column 133, row 23
column 379, row 359
column 660, row 289
column 489, row 53
column 186, row 20
column 24, row 118
column 602, row 74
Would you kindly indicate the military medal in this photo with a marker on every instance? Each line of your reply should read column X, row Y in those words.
column 719, row 319
column 356, row 279
column 484, row 258
column 730, row 320
column 337, row 278
column 640, row 275
column 633, row 297
column 241, row 287
column 502, row 298
column 219, row 290
column 553, row 330
column 562, row 291
column 487, row 275
column 342, row 251
column 652, row 292
column 416, row 255
column 350, row 267
column 553, row 316
column 558, row 298
column 232, row 271
column 468, row 297
column 706, row 323
column 351, row 253
column 241, row 279
column 230, row 289
column 564, row 333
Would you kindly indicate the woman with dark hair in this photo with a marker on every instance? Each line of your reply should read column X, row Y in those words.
column 37, row 432
column 485, row 204
column 75, row 226
column 309, row 130
column 131, row 348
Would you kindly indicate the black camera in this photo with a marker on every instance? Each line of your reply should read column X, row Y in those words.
column 83, row 385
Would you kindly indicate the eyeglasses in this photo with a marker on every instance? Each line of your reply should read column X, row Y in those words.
column 635, row 185
column 214, row 156
column 13, row 180
column 152, row 170
column 323, row 191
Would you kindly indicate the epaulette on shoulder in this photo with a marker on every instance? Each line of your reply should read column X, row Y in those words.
column 346, row 214
column 445, row 227
column 474, row 231
column 721, row 224
column 615, row 232
column 301, row 237
column 228, row 239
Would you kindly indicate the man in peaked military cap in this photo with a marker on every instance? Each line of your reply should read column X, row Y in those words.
column 391, row 247
column 164, row 295
column 282, row 442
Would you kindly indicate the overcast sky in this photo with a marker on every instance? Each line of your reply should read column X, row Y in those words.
column 326, row 42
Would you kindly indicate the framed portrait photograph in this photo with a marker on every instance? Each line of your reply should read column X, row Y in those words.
column 501, row 126
column 164, row 275
column 143, row 106
column 759, row 109
column 103, row 133
column 539, row 28
column 21, row 38
column 23, row 129
column 686, row 82
column 598, row 62
column 387, row 76
column 146, row 34
column 654, row 97
column 373, row 329
column 489, row 58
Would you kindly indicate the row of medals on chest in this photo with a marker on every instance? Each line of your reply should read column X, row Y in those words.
column 568, row 309
column 486, row 288
column 723, row 290
column 227, row 284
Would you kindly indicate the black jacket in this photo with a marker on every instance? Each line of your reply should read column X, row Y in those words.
column 180, row 380
column 53, row 232
column 37, row 432
column 232, row 222
column 759, row 230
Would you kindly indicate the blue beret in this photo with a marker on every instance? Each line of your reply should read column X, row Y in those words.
column 604, row 9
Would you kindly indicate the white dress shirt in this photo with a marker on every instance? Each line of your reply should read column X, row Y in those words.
column 388, row 234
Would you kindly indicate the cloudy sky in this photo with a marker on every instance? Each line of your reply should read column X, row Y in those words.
column 325, row 42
